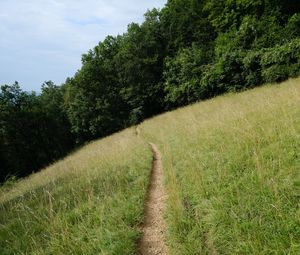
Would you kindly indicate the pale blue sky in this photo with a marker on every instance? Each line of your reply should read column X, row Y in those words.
column 43, row 40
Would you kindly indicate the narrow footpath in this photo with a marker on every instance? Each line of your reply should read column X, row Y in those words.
column 153, row 241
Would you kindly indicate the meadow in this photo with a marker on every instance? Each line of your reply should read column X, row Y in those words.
column 92, row 202
column 232, row 172
column 232, row 178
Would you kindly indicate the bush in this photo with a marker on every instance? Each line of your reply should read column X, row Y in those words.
column 275, row 73
column 281, row 62
column 225, row 75
column 252, row 69
column 182, row 77
column 187, row 79
column 292, row 28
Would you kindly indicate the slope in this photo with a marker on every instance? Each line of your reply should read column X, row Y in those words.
column 89, row 203
column 231, row 168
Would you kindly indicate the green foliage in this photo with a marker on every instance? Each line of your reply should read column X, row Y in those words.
column 240, row 69
column 182, row 77
column 190, row 50
column 34, row 131
column 119, row 83
column 185, row 22
column 246, row 31
column 252, row 69
column 281, row 62
column 92, row 96
column 140, row 66
column 226, row 15
column 293, row 27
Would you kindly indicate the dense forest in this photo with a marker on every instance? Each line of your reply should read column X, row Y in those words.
column 188, row 51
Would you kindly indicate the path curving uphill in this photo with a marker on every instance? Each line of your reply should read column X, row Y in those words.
column 153, row 241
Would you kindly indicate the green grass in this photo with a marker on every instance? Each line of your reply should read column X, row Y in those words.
column 90, row 203
column 232, row 169
column 232, row 175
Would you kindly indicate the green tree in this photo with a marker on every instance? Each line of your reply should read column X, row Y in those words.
column 92, row 100
column 31, row 132
column 185, row 22
column 182, row 77
column 140, row 67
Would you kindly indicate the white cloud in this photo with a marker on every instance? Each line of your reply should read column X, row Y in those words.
column 44, row 39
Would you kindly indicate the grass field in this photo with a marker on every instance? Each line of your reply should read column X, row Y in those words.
column 90, row 203
column 233, row 166
column 232, row 176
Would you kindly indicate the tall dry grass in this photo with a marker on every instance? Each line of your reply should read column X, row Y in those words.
column 89, row 203
column 232, row 177
column 232, row 172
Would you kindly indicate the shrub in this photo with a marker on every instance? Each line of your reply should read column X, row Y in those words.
column 252, row 69
column 281, row 62
column 182, row 77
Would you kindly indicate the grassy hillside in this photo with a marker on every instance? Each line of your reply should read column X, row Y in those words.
column 90, row 203
column 232, row 167
column 232, row 178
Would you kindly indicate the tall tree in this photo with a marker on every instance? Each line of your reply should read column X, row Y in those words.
column 33, row 131
column 140, row 68
column 92, row 99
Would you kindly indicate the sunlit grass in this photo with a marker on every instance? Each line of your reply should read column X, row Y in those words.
column 90, row 203
column 232, row 168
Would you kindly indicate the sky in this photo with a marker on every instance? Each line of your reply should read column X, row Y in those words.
column 43, row 40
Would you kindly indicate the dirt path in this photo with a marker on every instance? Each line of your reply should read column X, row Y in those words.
column 154, row 228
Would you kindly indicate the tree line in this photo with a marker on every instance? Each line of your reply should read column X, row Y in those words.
column 190, row 50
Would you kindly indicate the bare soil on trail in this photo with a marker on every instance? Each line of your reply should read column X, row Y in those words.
column 154, row 228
